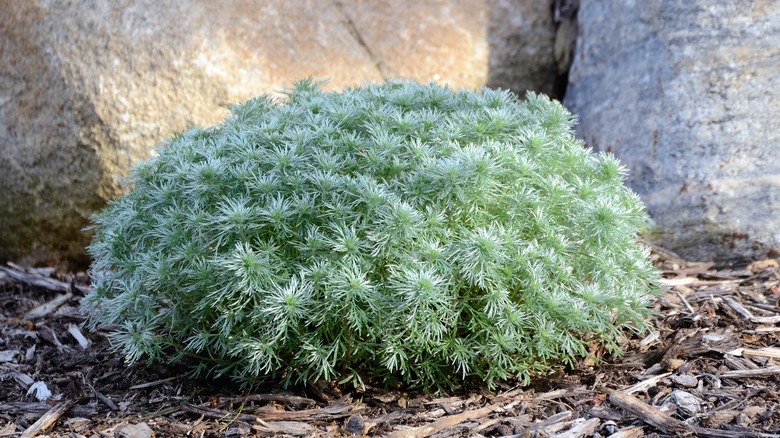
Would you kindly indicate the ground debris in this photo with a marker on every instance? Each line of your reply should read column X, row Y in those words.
column 710, row 367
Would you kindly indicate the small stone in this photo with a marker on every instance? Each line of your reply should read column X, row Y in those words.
column 355, row 425
column 686, row 381
column 139, row 430
column 675, row 363
column 687, row 403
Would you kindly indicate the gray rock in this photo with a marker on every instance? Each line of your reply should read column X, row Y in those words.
column 686, row 95
column 355, row 425
column 521, row 37
column 687, row 404
column 139, row 430
column 88, row 89
column 685, row 380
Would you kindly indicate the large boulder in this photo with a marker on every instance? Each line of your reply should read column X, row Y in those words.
column 686, row 95
column 89, row 88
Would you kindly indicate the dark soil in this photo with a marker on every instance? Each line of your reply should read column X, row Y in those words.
column 711, row 367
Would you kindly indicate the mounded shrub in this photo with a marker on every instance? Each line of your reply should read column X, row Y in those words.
column 400, row 232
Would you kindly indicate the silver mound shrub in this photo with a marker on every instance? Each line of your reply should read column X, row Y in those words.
column 400, row 232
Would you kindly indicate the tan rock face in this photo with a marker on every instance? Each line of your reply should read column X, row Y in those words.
column 88, row 89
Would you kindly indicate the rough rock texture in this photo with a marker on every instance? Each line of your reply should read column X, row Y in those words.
column 89, row 88
column 521, row 37
column 499, row 43
column 687, row 95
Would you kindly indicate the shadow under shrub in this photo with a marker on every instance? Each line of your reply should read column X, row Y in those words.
column 395, row 231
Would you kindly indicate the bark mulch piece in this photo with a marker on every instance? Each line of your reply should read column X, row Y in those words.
column 710, row 367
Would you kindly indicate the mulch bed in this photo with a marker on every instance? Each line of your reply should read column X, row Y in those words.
column 711, row 367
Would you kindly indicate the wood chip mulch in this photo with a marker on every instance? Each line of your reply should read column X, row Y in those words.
column 710, row 367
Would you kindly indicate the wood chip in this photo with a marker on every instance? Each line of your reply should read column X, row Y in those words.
column 48, row 307
column 47, row 420
column 581, row 429
column 734, row 362
column 633, row 432
column 765, row 319
column 75, row 331
column 340, row 408
column 545, row 425
column 36, row 279
column 691, row 281
column 649, row 414
column 770, row 352
column 8, row 355
column 290, row 399
column 10, row 428
column 218, row 414
column 294, row 428
column 760, row 265
column 745, row 313
column 738, row 307
column 21, row 408
column 552, row 395
column 23, row 379
column 106, row 401
column 443, row 423
column 646, row 384
column 650, row 339
column 678, row 281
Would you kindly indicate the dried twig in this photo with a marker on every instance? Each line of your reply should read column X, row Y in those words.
column 746, row 374
column 745, row 313
column 106, row 401
column 151, row 384
column 282, row 398
column 20, row 408
column 684, row 301
column 216, row 413
column 37, row 280
column 341, row 408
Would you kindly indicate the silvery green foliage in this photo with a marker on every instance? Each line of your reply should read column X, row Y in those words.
column 398, row 231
